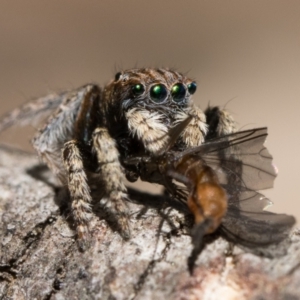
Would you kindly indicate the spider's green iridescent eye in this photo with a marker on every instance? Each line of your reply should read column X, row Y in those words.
column 178, row 92
column 158, row 93
column 192, row 87
column 138, row 89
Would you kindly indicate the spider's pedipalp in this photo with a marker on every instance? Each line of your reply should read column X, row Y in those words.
column 194, row 133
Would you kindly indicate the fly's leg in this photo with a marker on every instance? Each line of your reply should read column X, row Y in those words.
column 113, row 177
column 219, row 122
column 79, row 191
column 32, row 112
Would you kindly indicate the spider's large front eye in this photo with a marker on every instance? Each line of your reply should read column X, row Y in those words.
column 158, row 93
column 192, row 87
column 178, row 92
column 138, row 89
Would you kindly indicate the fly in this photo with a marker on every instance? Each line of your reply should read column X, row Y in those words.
column 221, row 179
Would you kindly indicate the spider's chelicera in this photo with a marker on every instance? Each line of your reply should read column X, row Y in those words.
column 145, row 117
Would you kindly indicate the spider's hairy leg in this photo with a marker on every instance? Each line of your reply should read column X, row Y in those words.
column 219, row 122
column 79, row 191
column 113, row 177
column 31, row 112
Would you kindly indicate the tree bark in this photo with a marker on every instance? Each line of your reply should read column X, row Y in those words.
column 39, row 257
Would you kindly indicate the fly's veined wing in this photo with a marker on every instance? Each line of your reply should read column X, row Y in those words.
column 239, row 160
column 249, row 225
column 255, row 228
column 248, row 200
column 243, row 165
column 242, row 159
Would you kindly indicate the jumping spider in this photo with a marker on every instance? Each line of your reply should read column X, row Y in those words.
column 95, row 131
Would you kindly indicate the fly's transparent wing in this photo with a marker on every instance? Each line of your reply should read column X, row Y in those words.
column 256, row 228
column 248, row 224
column 249, row 200
column 241, row 159
column 243, row 166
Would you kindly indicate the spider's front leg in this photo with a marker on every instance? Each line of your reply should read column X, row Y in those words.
column 79, row 191
column 91, row 140
column 113, row 178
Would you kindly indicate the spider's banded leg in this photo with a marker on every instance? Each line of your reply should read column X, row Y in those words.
column 79, row 190
column 32, row 112
column 113, row 177
column 219, row 122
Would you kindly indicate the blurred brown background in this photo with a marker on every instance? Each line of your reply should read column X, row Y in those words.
column 248, row 51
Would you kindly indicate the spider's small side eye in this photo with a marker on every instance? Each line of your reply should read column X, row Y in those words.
column 158, row 93
column 192, row 87
column 118, row 76
column 138, row 89
column 178, row 92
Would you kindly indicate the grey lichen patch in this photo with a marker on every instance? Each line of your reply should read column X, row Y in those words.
column 39, row 258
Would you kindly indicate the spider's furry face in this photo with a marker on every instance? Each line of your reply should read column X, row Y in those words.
column 151, row 101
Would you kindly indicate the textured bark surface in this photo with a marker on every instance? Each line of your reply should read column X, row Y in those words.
column 39, row 258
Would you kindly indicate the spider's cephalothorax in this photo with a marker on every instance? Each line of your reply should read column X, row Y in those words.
column 94, row 130
column 146, row 103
